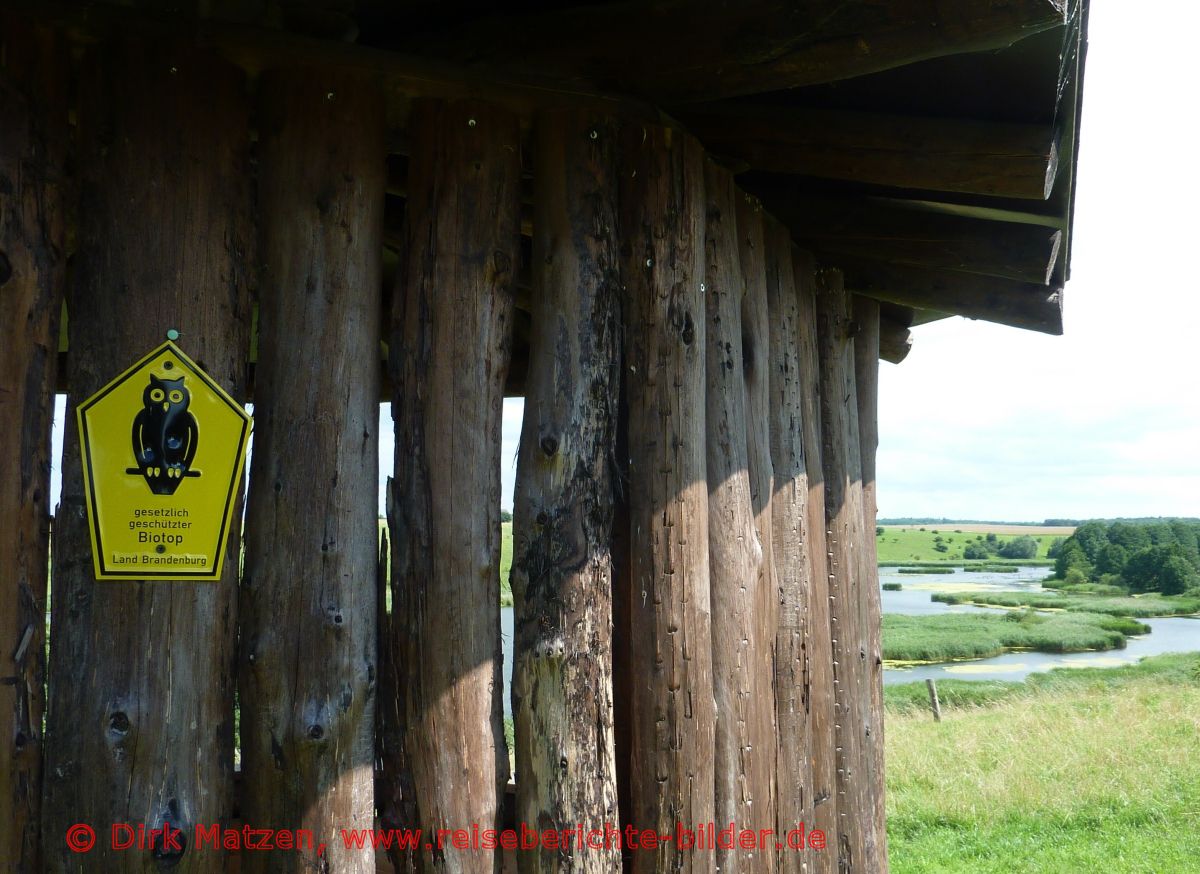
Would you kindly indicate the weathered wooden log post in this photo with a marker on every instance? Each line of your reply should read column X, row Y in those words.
column 823, row 716
column 744, row 754
column 562, row 560
column 308, row 595
column 33, row 140
column 662, row 226
column 862, row 840
column 449, row 357
column 140, row 724
column 756, row 348
column 865, row 312
column 790, row 541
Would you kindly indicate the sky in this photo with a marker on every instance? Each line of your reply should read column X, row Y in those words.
column 987, row 422
column 994, row 423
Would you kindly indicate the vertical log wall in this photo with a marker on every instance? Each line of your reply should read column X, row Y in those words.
column 756, row 365
column 672, row 710
column 450, row 350
column 33, row 122
column 749, row 617
column 862, row 842
column 865, row 314
column 308, row 596
column 742, row 625
column 562, row 563
column 790, row 540
column 140, row 723
column 823, row 711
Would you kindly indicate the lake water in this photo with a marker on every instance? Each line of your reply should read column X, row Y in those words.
column 1172, row 634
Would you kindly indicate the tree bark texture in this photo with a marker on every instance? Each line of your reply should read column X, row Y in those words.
column 33, row 140
column 140, row 726
column 857, row 658
column 563, row 509
column 449, row 356
column 823, row 713
column 744, row 761
column 308, row 657
column 662, row 221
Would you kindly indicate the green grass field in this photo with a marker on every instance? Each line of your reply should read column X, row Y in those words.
column 1071, row 771
column 1140, row 606
column 945, row 637
column 909, row 544
column 506, row 549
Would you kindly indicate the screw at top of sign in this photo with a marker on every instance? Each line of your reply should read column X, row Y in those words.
column 172, row 334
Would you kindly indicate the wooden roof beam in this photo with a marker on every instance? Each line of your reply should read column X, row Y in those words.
column 878, row 229
column 969, row 157
column 679, row 51
column 895, row 340
column 1017, row 304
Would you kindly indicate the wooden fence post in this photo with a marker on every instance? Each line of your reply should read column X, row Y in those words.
column 140, row 725
column 934, row 704
column 33, row 140
column 824, row 717
column 308, row 595
column 862, row 840
column 562, row 560
column 449, row 357
column 744, row 759
column 662, row 225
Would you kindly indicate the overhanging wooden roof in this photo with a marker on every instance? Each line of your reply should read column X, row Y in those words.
column 925, row 147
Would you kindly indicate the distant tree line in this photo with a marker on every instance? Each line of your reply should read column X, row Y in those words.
column 1156, row 556
column 992, row 546
column 929, row 520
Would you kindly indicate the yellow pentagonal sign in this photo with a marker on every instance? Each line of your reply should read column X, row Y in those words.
column 163, row 448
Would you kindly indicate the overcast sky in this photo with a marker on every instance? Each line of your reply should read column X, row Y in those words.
column 994, row 423
column 986, row 422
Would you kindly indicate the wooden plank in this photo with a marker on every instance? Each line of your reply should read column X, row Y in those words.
column 823, row 710
column 563, row 508
column 1027, row 305
column 790, row 542
column 662, row 221
column 865, row 324
column 756, row 372
column 33, row 147
column 862, row 840
column 678, row 52
column 744, row 755
column 936, row 154
column 877, row 229
column 307, row 688
column 449, row 348
column 140, row 726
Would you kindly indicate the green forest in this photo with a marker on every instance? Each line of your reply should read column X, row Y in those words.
column 1124, row 557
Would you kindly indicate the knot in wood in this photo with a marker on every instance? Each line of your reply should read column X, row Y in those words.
column 549, row 444
column 118, row 723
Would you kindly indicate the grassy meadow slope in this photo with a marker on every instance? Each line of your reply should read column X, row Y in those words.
column 903, row 544
column 1072, row 771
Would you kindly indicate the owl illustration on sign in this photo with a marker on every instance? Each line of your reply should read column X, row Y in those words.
column 165, row 436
